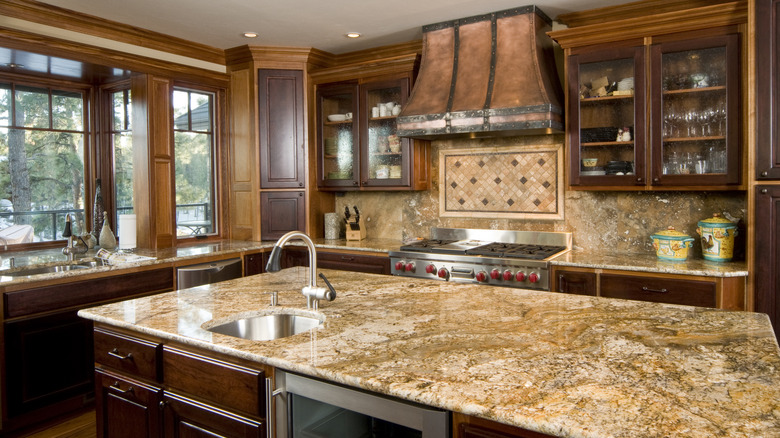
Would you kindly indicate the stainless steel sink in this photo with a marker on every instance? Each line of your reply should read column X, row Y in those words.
column 267, row 327
column 35, row 270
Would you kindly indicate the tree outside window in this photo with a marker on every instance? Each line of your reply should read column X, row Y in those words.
column 42, row 143
column 193, row 113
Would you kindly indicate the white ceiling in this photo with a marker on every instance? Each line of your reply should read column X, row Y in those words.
column 303, row 23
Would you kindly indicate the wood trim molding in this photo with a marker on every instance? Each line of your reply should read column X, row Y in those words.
column 388, row 66
column 296, row 57
column 724, row 14
column 638, row 9
column 50, row 15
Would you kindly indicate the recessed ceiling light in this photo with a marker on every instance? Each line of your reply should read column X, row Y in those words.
column 250, row 34
column 353, row 35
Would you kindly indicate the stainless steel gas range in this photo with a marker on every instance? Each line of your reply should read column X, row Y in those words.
column 499, row 258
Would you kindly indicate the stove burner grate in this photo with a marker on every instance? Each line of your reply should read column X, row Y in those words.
column 516, row 250
column 427, row 245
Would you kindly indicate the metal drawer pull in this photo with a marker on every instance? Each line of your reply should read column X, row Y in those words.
column 116, row 388
column 347, row 259
column 660, row 291
column 270, row 417
column 115, row 353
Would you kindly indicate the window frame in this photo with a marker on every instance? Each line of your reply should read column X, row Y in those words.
column 219, row 191
column 88, row 152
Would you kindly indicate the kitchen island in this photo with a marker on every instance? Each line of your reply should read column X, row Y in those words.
column 559, row 364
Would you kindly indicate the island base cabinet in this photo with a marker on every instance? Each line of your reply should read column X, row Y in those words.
column 185, row 418
column 126, row 408
column 465, row 426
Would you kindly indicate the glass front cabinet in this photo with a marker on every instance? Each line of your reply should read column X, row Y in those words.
column 359, row 148
column 672, row 123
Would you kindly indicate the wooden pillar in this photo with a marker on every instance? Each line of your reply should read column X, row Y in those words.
column 153, row 162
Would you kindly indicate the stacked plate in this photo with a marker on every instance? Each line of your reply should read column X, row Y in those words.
column 331, row 146
column 626, row 84
column 395, row 172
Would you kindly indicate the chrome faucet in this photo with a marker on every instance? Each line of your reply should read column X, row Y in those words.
column 71, row 249
column 312, row 293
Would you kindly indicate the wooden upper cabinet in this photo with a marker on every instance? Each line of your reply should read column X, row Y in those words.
column 767, row 253
column 767, row 97
column 653, row 101
column 281, row 123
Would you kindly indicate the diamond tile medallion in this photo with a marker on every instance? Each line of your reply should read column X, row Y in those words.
column 514, row 182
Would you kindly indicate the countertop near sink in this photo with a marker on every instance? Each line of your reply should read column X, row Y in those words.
column 178, row 256
column 566, row 365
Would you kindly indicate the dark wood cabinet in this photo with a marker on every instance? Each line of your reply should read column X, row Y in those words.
column 357, row 145
column 466, row 426
column 767, row 253
column 343, row 261
column 255, row 263
column 48, row 350
column 282, row 212
column 281, row 129
column 767, row 98
column 658, row 289
column 574, row 282
column 126, row 408
column 48, row 361
column 187, row 418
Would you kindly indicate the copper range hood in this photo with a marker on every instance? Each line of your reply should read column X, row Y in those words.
column 486, row 76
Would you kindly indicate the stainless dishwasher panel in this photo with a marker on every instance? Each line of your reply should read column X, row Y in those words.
column 206, row 273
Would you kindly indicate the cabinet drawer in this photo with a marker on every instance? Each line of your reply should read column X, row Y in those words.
column 659, row 290
column 134, row 356
column 229, row 385
column 574, row 282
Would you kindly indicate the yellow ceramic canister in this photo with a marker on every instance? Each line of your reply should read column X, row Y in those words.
column 671, row 244
column 717, row 238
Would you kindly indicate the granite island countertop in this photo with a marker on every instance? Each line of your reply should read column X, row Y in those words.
column 561, row 364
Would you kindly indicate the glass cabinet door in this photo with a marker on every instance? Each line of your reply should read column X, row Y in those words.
column 337, row 108
column 606, row 117
column 695, row 125
column 385, row 160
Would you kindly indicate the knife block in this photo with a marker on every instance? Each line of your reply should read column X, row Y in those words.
column 355, row 231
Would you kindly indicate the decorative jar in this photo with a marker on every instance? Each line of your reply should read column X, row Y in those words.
column 717, row 238
column 671, row 244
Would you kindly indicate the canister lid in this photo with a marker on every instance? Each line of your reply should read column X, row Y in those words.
column 671, row 233
column 717, row 220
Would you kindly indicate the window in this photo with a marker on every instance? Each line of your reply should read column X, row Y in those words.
column 193, row 113
column 42, row 143
column 122, row 141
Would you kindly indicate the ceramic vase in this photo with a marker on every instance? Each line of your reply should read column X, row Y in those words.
column 107, row 239
column 98, row 212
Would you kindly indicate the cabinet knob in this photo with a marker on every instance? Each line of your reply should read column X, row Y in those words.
column 300, row 194
column 765, row 173
column 354, row 183
column 640, row 179
column 656, row 179
column 300, row 184
column 764, row 191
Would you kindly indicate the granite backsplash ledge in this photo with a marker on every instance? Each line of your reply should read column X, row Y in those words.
column 600, row 221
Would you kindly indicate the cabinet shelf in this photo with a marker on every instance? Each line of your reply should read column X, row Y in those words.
column 593, row 100
column 343, row 122
column 383, row 118
column 608, row 143
column 694, row 90
column 693, row 139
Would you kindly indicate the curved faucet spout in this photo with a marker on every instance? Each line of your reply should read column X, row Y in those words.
column 312, row 293
column 274, row 261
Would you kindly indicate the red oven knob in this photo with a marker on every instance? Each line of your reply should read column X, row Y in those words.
column 443, row 273
column 520, row 276
column 399, row 266
column 508, row 275
column 533, row 277
column 494, row 274
column 430, row 269
column 482, row 276
column 410, row 267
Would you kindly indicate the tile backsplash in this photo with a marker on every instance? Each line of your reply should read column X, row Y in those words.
column 599, row 221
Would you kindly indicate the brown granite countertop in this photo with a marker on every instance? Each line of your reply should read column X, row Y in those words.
column 650, row 263
column 178, row 256
column 561, row 364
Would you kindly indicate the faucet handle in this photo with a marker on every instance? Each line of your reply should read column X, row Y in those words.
column 331, row 295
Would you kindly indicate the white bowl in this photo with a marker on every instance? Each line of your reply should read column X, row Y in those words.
column 337, row 118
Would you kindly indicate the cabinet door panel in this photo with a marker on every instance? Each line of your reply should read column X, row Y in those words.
column 185, row 418
column 48, row 360
column 571, row 282
column 282, row 161
column 767, row 253
column 281, row 212
column 126, row 408
column 659, row 290
column 768, row 99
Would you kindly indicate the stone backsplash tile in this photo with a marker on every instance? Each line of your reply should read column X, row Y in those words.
column 599, row 221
